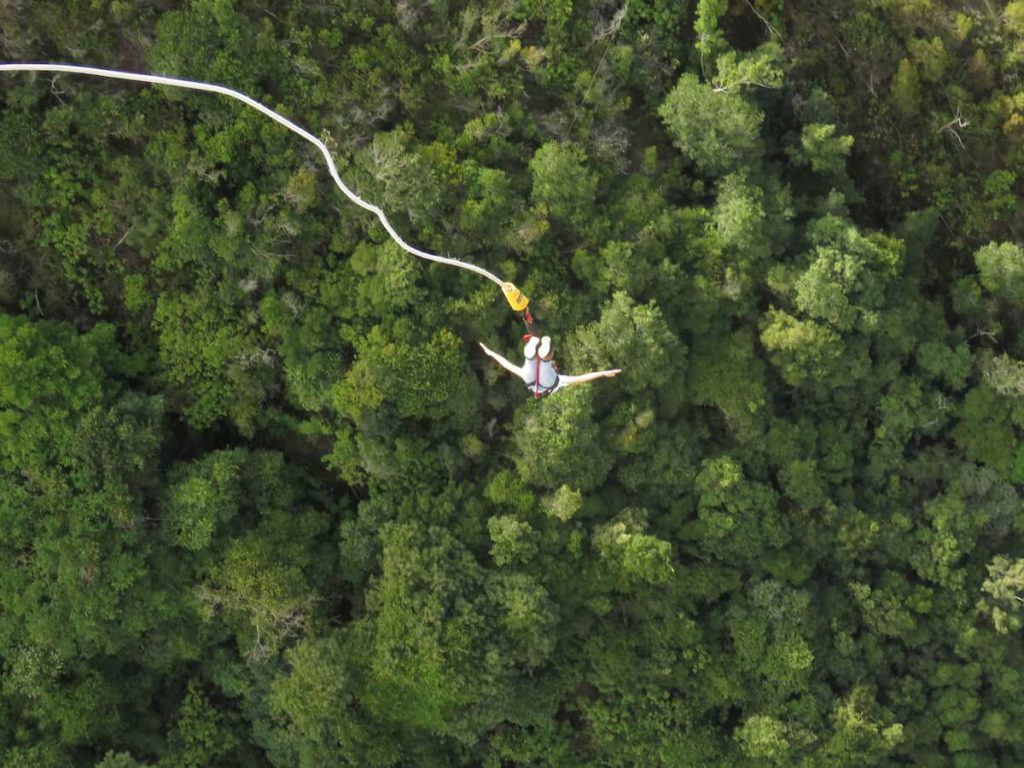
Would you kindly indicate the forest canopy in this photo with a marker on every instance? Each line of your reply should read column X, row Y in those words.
column 264, row 502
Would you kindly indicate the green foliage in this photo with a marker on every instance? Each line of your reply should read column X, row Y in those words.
column 218, row 370
column 1005, row 588
column 630, row 554
column 512, row 540
column 760, row 68
column 1001, row 269
column 825, row 152
column 768, row 635
column 263, row 502
column 861, row 736
column 739, row 216
column 562, row 182
column 429, row 380
column 763, row 738
column 710, row 39
column 561, row 443
column 737, row 518
column 315, row 713
column 986, row 430
column 801, row 349
column 637, row 333
column 204, row 497
column 199, row 737
column 845, row 282
column 906, row 90
column 731, row 377
column 718, row 131
column 1005, row 375
column 563, row 503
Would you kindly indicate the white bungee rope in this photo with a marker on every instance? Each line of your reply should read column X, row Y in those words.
column 515, row 297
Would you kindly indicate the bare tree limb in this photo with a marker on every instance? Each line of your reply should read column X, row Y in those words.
column 772, row 31
column 958, row 121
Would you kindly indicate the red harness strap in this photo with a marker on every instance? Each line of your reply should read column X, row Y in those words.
column 528, row 322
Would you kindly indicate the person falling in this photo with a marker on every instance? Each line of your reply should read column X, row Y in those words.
column 538, row 371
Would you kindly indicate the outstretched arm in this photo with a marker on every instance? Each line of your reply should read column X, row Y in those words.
column 568, row 381
column 515, row 370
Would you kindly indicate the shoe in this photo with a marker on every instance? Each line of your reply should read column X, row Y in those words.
column 545, row 348
column 530, row 350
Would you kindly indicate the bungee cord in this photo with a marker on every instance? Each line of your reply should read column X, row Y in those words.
column 515, row 297
column 512, row 294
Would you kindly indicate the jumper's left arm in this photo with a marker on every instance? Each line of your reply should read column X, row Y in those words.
column 568, row 381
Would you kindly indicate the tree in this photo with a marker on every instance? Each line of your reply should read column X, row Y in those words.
column 203, row 497
column 800, row 349
column 262, row 503
column 718, row 131
column 846, row 280
column 562, row 181
column 561, row 443
column 316, row 714
column 512, row 539
column 906, row 90
column 739, row 217
column 255, row 533
column 768, row 632
column 402, row 179
column 200, row 736
column 762, row 737
column 986, row 431
column 760, row 68
column 1001, row 269
column 435, row 661
column 633, row 337
column 423, row 377
column 729, row 376
column 823, row 151
column 736, row 517
column 215, row 362
column 77, row 586
column 863, row 732
column 1005, row 587
column 633, row 556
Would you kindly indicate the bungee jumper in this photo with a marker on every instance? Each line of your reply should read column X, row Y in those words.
column 542, row 375
column 539, row 371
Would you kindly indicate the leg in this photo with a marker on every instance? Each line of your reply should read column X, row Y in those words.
column 530, row 350
column 548, row 374
column 544, row 350
column 529, row 371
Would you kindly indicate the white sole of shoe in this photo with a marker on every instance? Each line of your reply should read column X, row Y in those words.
column 530, row 350
column 545, row 347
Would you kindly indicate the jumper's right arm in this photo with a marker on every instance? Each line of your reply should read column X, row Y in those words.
column 515, row 370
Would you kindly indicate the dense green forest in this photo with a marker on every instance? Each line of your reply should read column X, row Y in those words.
column 264, row 502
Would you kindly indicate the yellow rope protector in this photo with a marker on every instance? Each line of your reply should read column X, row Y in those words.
column 515, row 298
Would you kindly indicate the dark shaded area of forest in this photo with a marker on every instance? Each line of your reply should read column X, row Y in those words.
column 264, row 502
